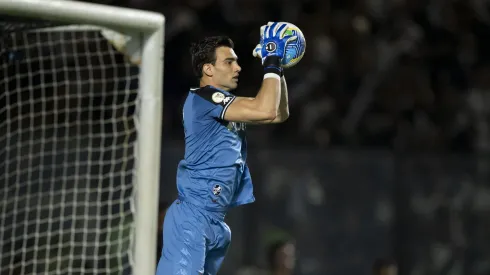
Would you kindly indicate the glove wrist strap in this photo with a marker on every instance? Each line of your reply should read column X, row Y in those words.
column 272, row 64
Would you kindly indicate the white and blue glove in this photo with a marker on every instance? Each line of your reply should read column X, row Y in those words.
column 272, row 46
column 258, row 49
column 273, row 40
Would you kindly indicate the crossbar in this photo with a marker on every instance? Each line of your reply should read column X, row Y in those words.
column 84, row 13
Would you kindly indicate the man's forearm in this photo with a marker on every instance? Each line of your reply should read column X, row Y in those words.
column 283, row 110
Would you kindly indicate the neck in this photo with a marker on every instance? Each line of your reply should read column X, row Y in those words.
column 205, row 82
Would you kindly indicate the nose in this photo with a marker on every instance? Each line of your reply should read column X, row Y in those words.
column 238, row 68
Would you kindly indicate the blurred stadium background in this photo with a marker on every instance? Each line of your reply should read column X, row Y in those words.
column 386, row 152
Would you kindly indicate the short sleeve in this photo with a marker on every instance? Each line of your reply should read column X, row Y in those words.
column 211, row 102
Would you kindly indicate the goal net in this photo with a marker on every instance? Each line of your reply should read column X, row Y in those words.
column 71, row 114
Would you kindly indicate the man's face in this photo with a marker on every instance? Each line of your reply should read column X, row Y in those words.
column 226, row 69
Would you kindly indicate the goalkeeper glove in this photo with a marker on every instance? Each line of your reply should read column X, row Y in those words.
column 257, row 52
column 272, row 46
column 273, row 40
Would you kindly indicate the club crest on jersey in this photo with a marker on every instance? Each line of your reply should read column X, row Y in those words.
column 217, row 190
column 218, row 97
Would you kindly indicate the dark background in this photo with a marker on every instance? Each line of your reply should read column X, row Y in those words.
column 385, row 154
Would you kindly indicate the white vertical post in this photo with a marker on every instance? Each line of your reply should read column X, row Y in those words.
column 151, row 92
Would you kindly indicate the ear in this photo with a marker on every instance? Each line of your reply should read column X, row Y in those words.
column 208, row 69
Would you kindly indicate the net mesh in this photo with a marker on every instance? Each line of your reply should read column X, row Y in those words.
column 68, row 130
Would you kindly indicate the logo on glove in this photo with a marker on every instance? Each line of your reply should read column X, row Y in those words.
column 270, row 47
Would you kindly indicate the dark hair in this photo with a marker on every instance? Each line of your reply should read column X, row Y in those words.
column 204, row 51
column 382, row 263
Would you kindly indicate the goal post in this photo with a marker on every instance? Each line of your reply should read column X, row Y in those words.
column 138, row 36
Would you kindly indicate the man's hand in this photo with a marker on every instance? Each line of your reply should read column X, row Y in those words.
column 257, row 52
column 273, row 41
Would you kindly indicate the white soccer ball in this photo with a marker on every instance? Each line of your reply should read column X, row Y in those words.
column 294, row 49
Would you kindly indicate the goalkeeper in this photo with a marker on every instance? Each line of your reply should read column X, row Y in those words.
column 213, row 176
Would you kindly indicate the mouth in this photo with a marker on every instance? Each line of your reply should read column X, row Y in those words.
column 235, row 78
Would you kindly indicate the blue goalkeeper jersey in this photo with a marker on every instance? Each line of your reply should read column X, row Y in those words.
column 213, row 173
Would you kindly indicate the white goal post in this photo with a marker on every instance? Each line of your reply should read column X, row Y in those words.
column 139, row 35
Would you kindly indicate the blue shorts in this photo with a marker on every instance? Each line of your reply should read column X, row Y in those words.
column 195, row 241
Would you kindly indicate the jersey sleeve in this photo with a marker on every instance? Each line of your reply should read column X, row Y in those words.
column 211, row 102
